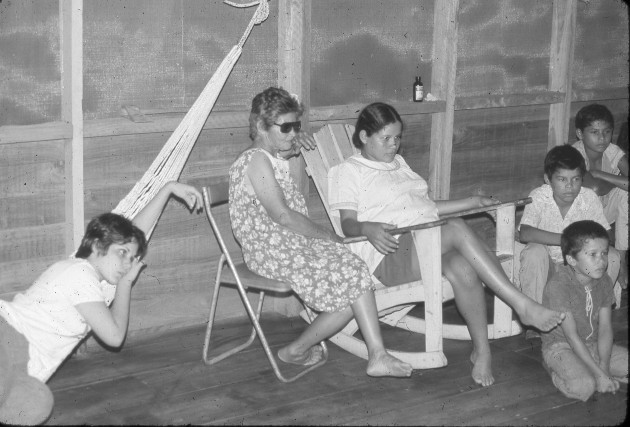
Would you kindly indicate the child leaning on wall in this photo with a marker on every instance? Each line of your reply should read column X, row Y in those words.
column 607, row 166
column 89, row 291
column 580, row 354
column 559, row 202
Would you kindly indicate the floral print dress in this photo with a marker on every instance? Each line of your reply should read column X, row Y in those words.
column 325, row 274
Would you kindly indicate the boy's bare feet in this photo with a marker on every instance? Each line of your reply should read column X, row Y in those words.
column 310, row 357
column 540, row 316
column 383, row 364
column 482, row 368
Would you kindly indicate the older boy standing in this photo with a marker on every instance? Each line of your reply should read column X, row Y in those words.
column 559, row 202
column 607, row 175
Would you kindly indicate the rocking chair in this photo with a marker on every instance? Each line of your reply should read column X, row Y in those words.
column 334, row 145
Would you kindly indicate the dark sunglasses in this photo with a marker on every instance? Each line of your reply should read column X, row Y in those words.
column 287, row 126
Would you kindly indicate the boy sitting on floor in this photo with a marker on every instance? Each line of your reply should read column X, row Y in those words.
column 580, row 354
column 561, row 201
column 607, row 166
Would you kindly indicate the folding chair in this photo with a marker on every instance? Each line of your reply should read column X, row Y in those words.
column 238, row 275
column 334, row 145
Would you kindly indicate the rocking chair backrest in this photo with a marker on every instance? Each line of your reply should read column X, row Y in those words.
column 334, row 143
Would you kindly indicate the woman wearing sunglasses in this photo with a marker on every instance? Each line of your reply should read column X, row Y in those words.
column 279, row 241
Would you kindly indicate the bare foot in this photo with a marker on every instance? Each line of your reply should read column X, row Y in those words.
column 383, row 364
column 540, row 316
column 310, row 357
column 482, row 368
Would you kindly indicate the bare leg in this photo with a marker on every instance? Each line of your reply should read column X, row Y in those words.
column 380, row 363
column 457, row 235
column 301, row 351
column 471, row 303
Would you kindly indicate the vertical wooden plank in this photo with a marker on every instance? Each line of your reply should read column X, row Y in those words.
column 561, row 68
column 506, row 222
column 294, row 27
column 443, row 86
column 431, row 270
column 71, row 29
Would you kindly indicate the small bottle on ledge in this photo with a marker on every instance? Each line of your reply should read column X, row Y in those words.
column 418, row 90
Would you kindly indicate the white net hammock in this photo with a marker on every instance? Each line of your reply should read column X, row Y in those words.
column 170, row 161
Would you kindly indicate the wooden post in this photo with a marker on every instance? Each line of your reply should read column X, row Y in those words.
column 561, row 69
column 443, row 86
column 71, row 35
column 294, row 28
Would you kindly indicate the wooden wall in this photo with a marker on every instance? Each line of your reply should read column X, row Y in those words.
column 488, row 61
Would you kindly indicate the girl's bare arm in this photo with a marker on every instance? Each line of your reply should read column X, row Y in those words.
column 458, row 205
column 529, row 234
column 149, row 215
column 605, row 338
column 602, row 378
column 263, row 181
column 110, row 324
column 376, row 232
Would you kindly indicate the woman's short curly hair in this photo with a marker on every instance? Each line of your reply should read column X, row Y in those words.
column 268, row 105
column 107, row 229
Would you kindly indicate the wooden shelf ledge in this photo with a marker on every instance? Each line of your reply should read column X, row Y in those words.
column 351, row 111
column 508, row 100
column 162, row 122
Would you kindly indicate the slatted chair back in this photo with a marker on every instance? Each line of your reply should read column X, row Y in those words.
column 334, row 146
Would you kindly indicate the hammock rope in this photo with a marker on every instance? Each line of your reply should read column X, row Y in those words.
column 170, row 161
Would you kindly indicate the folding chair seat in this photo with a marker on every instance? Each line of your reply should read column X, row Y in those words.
column 334, row 145
column 238, row 275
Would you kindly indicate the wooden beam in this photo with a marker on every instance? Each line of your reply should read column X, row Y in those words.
column 71, row 28
column 443, row 87
column 294, row 28
column 508, row 100
column 561, row 68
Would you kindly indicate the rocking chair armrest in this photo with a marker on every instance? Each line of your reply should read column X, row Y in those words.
column 401, row 230
column 515, row 203
column 442, row 220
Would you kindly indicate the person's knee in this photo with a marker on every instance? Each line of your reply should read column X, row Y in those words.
column 613, row 255
column 581, row 388
column 30, row 402
column 45, row 400
column 459, row 272
column 456, row 225
column 534, row 252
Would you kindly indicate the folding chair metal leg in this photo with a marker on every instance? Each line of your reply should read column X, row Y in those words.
column 256, row 331
column 213, row 307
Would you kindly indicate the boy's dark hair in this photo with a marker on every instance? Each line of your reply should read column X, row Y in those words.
column 107, row 229
column 591, row 113
column 576, row 234
column 373, row 118
column 564, row 157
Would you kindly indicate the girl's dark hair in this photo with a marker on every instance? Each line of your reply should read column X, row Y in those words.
column 268, row 105
column 107, row 229
column 592, row 113
column 564, row 157
column 373, row 118
column 576, row 234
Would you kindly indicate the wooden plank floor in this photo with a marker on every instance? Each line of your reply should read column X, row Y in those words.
column 162, row 380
